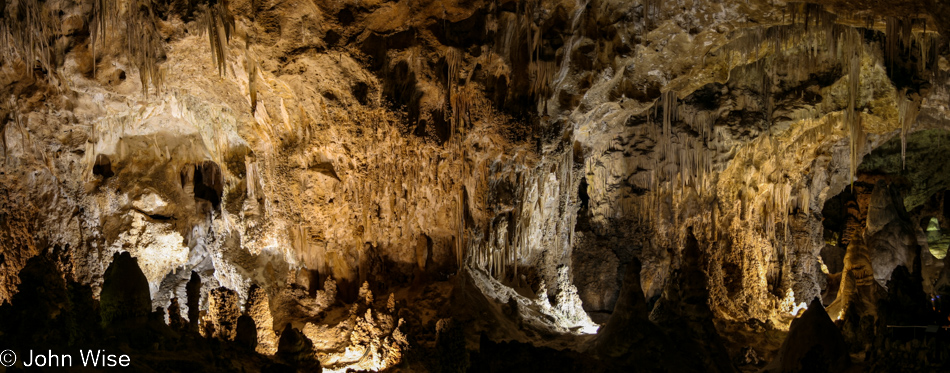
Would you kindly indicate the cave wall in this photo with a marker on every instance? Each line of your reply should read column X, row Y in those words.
column 545, row 143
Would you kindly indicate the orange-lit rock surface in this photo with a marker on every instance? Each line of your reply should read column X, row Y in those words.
column 373, row 183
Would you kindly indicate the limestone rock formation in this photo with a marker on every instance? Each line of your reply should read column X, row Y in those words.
column 684, row 312
column 296, row 350
column 258, row 308
column 542, row 172
column 634, row 342
column 891, row 235
column 224, row 311
column 125, row 296
column 859, row 290
column 246, row 332
column 175, row 320
column 42, row 307
column 814, row 344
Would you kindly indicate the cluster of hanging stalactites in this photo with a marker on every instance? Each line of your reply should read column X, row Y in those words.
column 31, row 29
column 816, row 34
column 682, row 163
column 143, row 42
column 543, row 218
column 28, row 31
column 518, row 43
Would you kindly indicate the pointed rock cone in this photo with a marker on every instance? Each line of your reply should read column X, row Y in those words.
column 813, row 344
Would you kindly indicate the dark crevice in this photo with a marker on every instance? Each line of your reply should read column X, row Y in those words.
column 103, row 166
column 209, row 183
column 160, row 217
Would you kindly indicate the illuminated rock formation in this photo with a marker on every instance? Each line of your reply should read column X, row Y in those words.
column 224, row 311
column 258, row 308
column 814, row 344
column 349, row 175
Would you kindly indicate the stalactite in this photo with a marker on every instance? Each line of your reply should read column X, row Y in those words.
column 715, row 221
column 28, row 32
column 104, row 13
column 852, row 117
column 907, row 110
column 541, row 74
column 567, row 189
column 785, row 205
column 805, row 200
column 143, row 42
column 907, row 27
column 252, row 82
column 668, row 101
column 651, row 12
column 569, row 46
column 891, row 30
column 459, row 105
column 218, row 22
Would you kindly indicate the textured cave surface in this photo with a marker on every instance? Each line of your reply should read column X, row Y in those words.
column 506, row 185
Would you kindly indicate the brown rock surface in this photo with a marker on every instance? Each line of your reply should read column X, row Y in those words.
column 258, row 308
column 813, row 344
column 514, row 158
column 224, row 311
